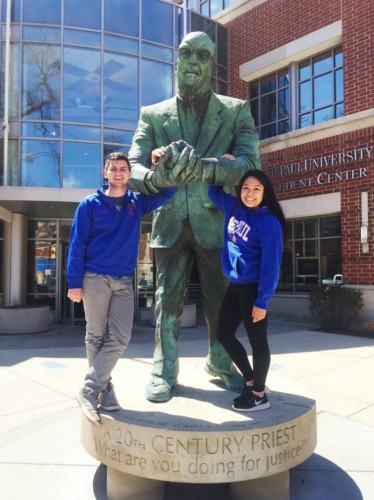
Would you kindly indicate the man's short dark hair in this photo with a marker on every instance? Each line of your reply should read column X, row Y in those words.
column 116, row 155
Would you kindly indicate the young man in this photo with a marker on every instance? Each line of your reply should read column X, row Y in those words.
column 102, row 257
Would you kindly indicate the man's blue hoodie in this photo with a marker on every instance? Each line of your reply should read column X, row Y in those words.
column 252, row 247
column 104, row 240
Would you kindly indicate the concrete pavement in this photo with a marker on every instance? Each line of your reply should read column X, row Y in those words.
column 41, row 456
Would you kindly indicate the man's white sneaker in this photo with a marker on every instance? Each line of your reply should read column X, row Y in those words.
column 88, row 403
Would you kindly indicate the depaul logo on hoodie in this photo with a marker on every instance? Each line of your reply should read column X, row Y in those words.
column 238, row 228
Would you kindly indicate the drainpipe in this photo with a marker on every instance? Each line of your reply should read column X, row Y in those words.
column 6, row 90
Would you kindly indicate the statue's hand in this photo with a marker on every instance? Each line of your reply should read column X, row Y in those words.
column 168, row 169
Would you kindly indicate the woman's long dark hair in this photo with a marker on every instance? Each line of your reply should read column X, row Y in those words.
column 269, row 200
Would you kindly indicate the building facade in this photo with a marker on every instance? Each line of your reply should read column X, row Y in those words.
column 306, row 69
column 72, row 84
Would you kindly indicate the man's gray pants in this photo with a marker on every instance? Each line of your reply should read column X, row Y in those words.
column 109, row 310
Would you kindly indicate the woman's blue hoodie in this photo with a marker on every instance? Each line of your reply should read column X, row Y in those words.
column 104, row 240
column 252, row 248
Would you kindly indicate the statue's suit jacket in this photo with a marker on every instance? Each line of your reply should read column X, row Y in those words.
column 227, row 127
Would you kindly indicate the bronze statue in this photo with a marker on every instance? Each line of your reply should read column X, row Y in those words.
column 196, row 128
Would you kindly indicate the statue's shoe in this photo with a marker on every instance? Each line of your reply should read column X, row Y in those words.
column 159, row 389
column 231, row 378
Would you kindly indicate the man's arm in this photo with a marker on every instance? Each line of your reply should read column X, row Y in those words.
column 155, row 201
column 80, row 231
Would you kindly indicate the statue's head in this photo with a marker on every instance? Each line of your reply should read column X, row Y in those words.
column 195, row 64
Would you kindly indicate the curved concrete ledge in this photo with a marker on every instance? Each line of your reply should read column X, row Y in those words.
column 197, row 438
column 24, row 319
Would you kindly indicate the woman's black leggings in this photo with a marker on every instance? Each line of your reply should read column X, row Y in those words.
column 236, row 307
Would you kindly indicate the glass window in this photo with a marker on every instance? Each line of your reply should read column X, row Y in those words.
column 111, row 148
column 323, row 115
column 199, row 23
column 82, row 166
column 269, row 99
column 322, row 88
column 305, row 101
column 118, row 136
column 82, row 85
column 312, row 254
column 41, row 129
column 82, row 133
column 121, row 98
column 160, row 31
column 330, row 226
column 41, row 34
column 121, row 43
column 14, row 77
column 87, row 15
column 41, row 272
column 15, row 11
column 42, row 11
column 222, row 45
column 122, row 16
column 41, row 81
column 331, row 259
column 82, row 37
column 65, row 228
column 151, row 50
column 40, row 162
column 156, row 72
column 310, row 226
column 315, row 85
column 41, row 229
column 322, row 63
column 13, row 163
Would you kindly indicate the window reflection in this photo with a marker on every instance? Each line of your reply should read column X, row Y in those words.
column 42, row 11
column 161, row 73
column 82, row 37
column 41, row 129
column 40, row 162
column 41, row 81
column 41, row 272
column 42, row 33
column 14, row 77
column 118, row 136
column 81, row 132
column 15, row 11
column 323, row 90
column 120, row 90
column 121, row 43
column 122, row 16
column 82, row 165
column 82, row 85
column 151, row 50
column 88, row 15
column 161, row 29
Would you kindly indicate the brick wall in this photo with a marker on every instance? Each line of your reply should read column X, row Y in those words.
column 277, row 22
column 326, row 174
column 271, row 25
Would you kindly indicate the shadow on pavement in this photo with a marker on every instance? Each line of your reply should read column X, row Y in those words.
column 316, row 478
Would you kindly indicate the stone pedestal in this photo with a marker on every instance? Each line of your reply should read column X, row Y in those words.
column 24, row 319
column 196, row 437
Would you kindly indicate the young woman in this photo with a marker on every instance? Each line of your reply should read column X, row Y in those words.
column 251, row 257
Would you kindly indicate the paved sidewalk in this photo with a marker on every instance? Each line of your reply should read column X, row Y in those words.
column 41, row 457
